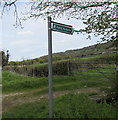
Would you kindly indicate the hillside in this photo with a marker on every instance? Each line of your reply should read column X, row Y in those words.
column 104, row 48
column 65, row 63
column 82, row 80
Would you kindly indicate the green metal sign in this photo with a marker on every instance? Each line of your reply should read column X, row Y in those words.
column 62, row 28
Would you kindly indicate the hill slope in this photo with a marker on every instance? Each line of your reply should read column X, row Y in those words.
column 103, row 48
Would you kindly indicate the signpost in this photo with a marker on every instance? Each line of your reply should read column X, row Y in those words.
column 59, row 27
column 50, row 67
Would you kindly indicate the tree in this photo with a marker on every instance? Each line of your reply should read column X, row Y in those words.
column 100, row 17
column 4, row 58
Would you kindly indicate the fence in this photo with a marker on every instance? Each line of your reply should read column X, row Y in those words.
column 60, row 68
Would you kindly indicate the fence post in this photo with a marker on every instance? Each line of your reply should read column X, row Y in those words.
column 68, row 68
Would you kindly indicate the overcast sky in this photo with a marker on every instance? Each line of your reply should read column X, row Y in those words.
column 32, row 41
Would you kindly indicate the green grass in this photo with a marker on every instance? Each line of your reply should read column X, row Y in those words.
column 13, row 82
column 67, row 106
column 106, row 56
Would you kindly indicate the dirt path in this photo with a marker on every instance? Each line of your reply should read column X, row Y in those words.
column 14, row 99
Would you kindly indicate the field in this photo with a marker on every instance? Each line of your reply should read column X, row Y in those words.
column 22, row 91
column 83, row 87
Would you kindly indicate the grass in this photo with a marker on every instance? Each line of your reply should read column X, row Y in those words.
column 13, row 82
column 67, row 106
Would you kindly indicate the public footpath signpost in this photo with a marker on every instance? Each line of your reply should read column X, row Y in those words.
column 59, row 27
column 50, row 67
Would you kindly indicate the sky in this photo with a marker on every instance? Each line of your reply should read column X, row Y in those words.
column 32, row 41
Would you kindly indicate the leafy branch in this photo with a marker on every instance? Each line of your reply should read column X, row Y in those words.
column 100, row 18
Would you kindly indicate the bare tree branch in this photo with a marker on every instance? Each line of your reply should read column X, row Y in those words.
column 10, row 4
